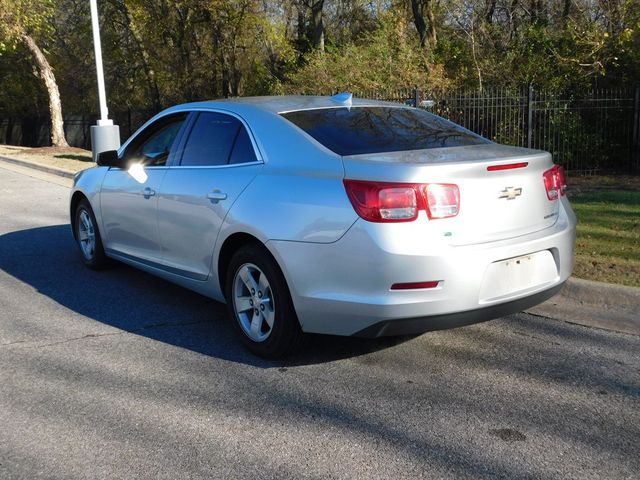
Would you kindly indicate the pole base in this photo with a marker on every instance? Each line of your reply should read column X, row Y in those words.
column 104, row 138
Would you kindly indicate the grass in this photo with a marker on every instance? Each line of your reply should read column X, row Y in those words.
column 608, row 232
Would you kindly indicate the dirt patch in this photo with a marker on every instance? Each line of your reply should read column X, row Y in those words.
column 601, row 183
column 70, row 153
column 68, row 158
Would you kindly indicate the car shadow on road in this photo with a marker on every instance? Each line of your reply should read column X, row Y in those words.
column 46, row 258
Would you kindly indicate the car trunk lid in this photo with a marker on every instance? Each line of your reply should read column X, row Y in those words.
column 502, row 192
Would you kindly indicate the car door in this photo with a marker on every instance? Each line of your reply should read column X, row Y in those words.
column 129, row 197
column 218, row 160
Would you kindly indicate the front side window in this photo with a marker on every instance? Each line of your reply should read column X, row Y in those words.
column 153, row 146
column 367, row 130
column 217, row 139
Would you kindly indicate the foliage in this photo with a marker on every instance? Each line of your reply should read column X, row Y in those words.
column 161, row 52
column 385, row 57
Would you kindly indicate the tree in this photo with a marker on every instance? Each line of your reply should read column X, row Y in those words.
column 381, row 60
column 317, row 24
column 425, row 21
column 21, row 21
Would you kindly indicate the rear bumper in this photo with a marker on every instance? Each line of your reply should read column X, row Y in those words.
column 414, row 326
column 343, row 288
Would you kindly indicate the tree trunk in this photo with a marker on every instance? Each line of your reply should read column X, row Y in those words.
column 301, row 27
column 317, row 24
column 55, row 105
column 425, row 22
column 431, row 27
column 490, row 11
column 418, row 20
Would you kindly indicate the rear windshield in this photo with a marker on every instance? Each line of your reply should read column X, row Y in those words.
column 362, row 130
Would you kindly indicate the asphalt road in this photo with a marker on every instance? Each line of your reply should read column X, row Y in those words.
column 119, row 374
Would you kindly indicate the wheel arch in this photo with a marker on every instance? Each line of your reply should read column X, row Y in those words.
column 76, row 198
column 231, row 244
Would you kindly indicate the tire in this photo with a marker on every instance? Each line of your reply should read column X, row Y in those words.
column 259, row 304
column 87, row 235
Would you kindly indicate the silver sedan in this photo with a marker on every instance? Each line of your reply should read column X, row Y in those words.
column 329, row 215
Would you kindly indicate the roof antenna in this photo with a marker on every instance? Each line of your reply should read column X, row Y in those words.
column 344, row 98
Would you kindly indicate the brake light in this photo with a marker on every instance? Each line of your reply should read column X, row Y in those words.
column 555, row 182
column 401, row 202
column 562, row 179
column 508, row 166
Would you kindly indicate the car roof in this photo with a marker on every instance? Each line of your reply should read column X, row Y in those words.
column 280, row 104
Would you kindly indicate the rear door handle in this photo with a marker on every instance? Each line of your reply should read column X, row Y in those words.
column 216, row 196
column 147, row 192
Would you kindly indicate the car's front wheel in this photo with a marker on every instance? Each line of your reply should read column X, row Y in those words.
column 88, row 237
column 259, row 304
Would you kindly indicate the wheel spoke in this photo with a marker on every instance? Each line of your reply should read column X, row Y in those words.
column 243, row 304
column 269, row 316
column 83, row 235
column 247, row 279
column 256, row 323
column 86, row 222
column 263, row 284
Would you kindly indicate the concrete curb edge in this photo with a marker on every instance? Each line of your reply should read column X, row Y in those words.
column 37, row 166
column 607, row 294
column 595, row 304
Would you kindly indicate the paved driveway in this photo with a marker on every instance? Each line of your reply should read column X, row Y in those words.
column 119, row 374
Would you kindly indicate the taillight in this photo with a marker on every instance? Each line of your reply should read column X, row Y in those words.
column 555, row 182
column 401, row 202
column 443, row 200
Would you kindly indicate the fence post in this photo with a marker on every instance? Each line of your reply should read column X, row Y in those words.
column 530, row 117
column 416, row 97
column 635, row 147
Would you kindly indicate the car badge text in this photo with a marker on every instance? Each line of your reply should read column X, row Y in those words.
column 510, row 193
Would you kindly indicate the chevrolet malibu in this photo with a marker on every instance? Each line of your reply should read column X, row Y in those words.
column 329, row 215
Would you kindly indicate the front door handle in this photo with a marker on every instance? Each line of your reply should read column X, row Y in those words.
column 147, row 192
column 216, row 196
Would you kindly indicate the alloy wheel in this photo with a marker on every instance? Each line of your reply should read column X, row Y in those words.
column 253, row 302
column 86, row 235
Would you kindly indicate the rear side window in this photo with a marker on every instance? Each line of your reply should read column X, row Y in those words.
column 217, row 139
column 363, row 130
column 243, row 151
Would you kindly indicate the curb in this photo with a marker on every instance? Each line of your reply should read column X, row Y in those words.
column 607, row 294
column 595, row 304
column 37, row 166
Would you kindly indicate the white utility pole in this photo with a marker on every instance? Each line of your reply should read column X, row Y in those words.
column 105, row 135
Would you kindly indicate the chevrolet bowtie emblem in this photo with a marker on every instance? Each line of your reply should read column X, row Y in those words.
column 510, row 193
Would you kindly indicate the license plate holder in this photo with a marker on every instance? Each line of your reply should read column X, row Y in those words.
column 513, row 276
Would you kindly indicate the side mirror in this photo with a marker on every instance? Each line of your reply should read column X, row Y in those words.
column 109, row 159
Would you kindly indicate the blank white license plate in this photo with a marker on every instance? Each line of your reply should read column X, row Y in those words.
column 516, row 275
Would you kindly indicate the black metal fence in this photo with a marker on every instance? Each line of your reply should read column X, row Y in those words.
column 36, row 131
column 588, row 132
column 596, row 131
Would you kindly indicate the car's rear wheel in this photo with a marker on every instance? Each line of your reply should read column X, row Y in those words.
column 88, row 237
column 259, row 304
